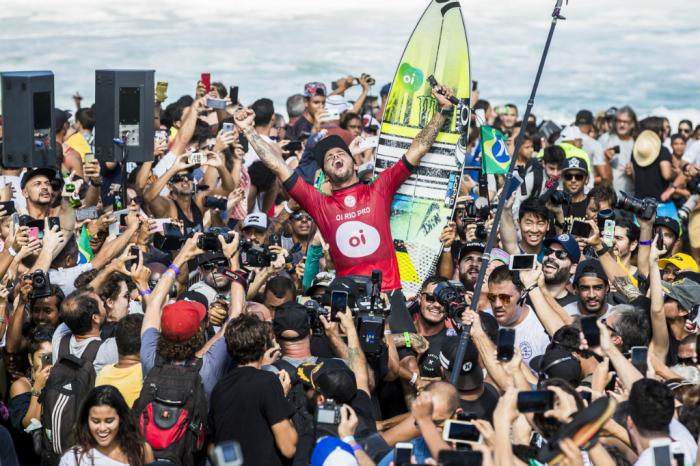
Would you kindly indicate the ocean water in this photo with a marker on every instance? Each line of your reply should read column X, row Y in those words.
column 643, row 53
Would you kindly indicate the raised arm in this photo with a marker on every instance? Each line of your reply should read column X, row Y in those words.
column 189, row 121
column 356, row 357
column 549, row 317
column 270, row 156
column 659, row 330
column 509, row 236
column 425, row 139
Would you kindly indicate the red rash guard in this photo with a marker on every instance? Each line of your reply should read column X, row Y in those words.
column 355, row 222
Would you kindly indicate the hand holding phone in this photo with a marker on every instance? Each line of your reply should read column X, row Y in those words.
column 589, row 327
column 522, row 261
column 639, row 359
column 339, row 302
column 536, row 401
column 402, row 453
column 506, row 344
column 205, row 78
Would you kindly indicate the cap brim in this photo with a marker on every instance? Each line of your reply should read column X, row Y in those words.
column 466, row 382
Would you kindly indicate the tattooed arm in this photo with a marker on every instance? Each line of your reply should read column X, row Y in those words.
column 356, row 358
column 424, row 140
column 267, row 153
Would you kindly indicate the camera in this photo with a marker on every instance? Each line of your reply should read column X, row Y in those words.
column 41, row 286
column 255, row 256
column 328, row 413
column 171, row 239
column 315, row 310
column 209, row 242
column 450, row 295
column 211, row 202
column 371, row 312
column 553, row 194
column 643, row 208
column 221, row 231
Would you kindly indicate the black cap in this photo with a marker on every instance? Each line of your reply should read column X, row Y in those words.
column 670, row 223
column 326, row 144
column 430, row 365
column 291, row 316
column 557, row 363
column 584, row 117
column 194, row 296
column 331, row 377
column 50, row 173
column 590, row 268
column 470, row 247
column 346, row 284
column 60, row 117
column 470, row 376
column 211, row 256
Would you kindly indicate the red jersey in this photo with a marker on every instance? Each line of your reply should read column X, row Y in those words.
column 355, row 222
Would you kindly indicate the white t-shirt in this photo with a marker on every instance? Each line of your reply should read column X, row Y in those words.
column 692, row 152
column 92, row 458
column 621, row 182
column 65, row 278
column 530, row 336
column 682, row 442
column 18, row 198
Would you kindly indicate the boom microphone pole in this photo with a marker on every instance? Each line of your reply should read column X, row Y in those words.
column 464, row 336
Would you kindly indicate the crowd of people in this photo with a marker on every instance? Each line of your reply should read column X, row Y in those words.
column 240, row 301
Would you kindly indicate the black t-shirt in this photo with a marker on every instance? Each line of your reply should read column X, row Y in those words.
column 363, row 407
column 244, row 406
column 482, row 408
column 575, row 211
column 429, row 363
column 647, row 180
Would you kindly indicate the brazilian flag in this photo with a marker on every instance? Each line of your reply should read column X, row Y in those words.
column 86, row 253
column 494, row 156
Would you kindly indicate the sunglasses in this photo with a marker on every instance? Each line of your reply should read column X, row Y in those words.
column 558, row 253
column 684, row 130
column 212, row 266
column 429, row 298
column 178, row 178
column 574, row 176
column 686, row 361
column 505, row 298
column 136, row 199
column 301, row 216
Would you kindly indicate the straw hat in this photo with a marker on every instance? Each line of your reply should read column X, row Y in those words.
column 647, row 148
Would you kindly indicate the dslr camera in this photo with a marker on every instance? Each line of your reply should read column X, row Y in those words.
column 315, row 310
column 255, row 256
column 450, row 295
column 553, row 194
column 327, row 418
column 642, row 208
column 41, row 286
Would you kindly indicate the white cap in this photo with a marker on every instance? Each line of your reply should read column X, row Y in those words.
column 338, row 103
column 257, row 220
column 570, row 133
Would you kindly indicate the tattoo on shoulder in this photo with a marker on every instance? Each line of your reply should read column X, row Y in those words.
column 624, row 285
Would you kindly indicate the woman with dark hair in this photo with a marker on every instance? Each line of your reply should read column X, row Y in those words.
column 106, row 434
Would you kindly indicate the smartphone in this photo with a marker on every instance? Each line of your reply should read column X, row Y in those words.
column 34, row 233
column 159, row 222
column 522, row 261
column 219, row 104
column 480, row 116
column 537, row 401
column 212, row 202
column 339, row 302
column 590, row 330
column 506, row 344
column 661, row 448
column 369, row 143
column 639, row 359
column 206, row 81
column 15, row 221
column 54, row 221
column 460, row 432
column 228, row 453
column 608, row 233
column 133, row 251
column 460, row 458
column 117, row 201
column 275, row 240
column 45, row 360
column 616, row 149
column 580, row 229
column 402, row 453
column 161, row 91
column 660, row 239
column 196, row 158
column 9, row 207
column 514, row 185
column 330, row 115
column 161, row 135
column 227, row 127
column 292, row 146
column 233, row 94
column 89, row 157
column 475, row 85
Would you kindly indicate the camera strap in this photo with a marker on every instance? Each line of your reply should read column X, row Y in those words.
column 239, row 276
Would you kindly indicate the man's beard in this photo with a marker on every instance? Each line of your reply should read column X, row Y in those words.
column 561, row 276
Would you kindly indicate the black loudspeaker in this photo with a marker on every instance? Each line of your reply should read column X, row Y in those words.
column 124, row 101
column 27, row 108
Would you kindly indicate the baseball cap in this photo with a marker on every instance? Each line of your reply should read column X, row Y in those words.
column 337, row 103
column 291, row 316
column 680, row 260
column 474, row 246
column 326, row 144
column 670, row 223
column 470, row 375
column 500, row 255
column 584, row 117
column 194, row 297
column 685, row 291
column 180, row 320
column 569, row 244
column 60, row 117
column 611, row 112
column 385, row 90
column 570, row 133
column 557, row 363
column 575, row 163
column 331, row 451
column 314, row 88
column 50, row 173
column 256, row 220
column 322, row 279
column 346, row 284
column 212, row 256
column 590, row 268
column 330, row 377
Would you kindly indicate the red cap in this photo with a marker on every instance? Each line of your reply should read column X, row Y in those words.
column 180, row 320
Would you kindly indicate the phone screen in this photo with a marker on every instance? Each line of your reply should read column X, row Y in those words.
column 660, row 239
column 514, row 185
column 461, row 457
column 522, row 262
column 662, row 455
column 506, row 344
column 639, row 359
column 233, row 94
column 339, row 301
column 537, row 401
column 462, row 432
column 590, row 330
column 402, row 453
column 580, row 229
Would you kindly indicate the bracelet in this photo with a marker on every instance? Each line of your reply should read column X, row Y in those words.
column 36, row 393
column 12, row 252
column 446, row 112
column 602, row 251
column 646, row 243
column 175, row 269
column 387, row 332
column 356, row 447
column 286, row 208
column 407, row 339
column 529, row 289
column 92, row 183
column 349, row 439
column 414, row 379
column 145, row 292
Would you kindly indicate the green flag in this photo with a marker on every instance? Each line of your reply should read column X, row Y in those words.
column 494, row 156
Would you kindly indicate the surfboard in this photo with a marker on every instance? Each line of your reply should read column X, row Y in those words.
column 424, row 204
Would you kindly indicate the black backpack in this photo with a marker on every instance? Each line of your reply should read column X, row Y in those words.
column 535, row 166
column 302, row 419
column 172, row 412
column 68, row 384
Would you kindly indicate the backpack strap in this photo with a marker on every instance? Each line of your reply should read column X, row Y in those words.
column 90, row 352
column 63, row 347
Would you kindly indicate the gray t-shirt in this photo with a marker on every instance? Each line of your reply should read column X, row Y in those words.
column 107, row 354
column 621, row 182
